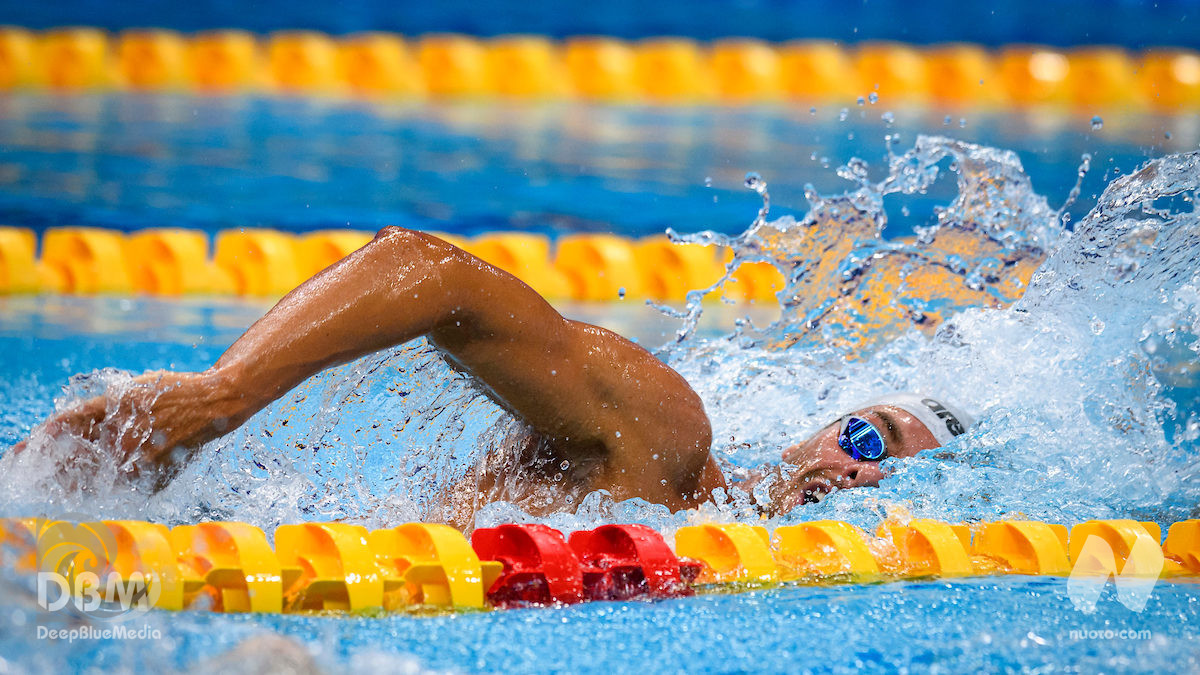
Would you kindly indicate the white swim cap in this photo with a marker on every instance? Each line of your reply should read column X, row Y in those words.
column 944, row 421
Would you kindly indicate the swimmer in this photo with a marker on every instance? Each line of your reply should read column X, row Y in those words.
column 602, row 411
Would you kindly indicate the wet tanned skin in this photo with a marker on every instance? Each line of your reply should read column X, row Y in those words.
column 598, row 399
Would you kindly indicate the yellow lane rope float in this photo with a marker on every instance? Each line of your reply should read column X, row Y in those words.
column 667, row 70
column 269, row 263
column 233, row 567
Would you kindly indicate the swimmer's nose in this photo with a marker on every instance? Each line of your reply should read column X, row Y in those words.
column 859, row 474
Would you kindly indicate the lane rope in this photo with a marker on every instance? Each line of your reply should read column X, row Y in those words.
column 269, row 263
column 232, row 567
column 666, row 70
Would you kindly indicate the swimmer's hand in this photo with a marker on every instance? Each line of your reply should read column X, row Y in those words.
column 152, row 424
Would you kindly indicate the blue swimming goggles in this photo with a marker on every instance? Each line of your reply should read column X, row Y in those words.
column 861, row 440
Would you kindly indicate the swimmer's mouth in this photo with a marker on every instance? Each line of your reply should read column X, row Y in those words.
column 815, row 491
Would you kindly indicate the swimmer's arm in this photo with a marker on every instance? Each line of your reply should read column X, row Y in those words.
column 400, row 286
column 390, row 291
column 586, row 389
column 592, row 393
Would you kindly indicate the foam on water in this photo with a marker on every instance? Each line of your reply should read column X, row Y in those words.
column 1076, row 350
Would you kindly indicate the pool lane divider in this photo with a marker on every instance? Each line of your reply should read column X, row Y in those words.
column 670, row 70
column 232, row 567
column 269, row 263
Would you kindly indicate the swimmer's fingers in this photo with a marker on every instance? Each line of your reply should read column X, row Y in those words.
column 152, row 427
column 82, row 420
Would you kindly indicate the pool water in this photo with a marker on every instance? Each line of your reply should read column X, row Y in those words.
column 991, row 624
column 1002, row 624
column 1130, row 23
column 1083, row 372
column 129, row 162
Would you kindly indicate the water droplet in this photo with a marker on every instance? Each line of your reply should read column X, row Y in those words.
column 888, row 117
column 1097, row 123
column 708, row 181
column 755, row 182
column 812, row 110
column 1097, row 325
column 565, row 465
column 813, row 156
column 1167, row 135
column 825, row 162
column 873, row 98
column 621, row 292
column 617, row 433
column 904, row 211
column 947, row 120
column 962, row 123
column 843, row 114
column 862, row 101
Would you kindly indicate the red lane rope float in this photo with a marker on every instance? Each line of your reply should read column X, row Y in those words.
column 539, row 567
column 627, row 561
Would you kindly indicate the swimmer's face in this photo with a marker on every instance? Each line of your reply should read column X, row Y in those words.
column 820, row 464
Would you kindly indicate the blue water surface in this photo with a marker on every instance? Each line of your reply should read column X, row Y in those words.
column 131, row 162
column 1133, row 23
column 1003, row 624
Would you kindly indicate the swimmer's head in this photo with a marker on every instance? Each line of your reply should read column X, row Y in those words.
column 847, row 453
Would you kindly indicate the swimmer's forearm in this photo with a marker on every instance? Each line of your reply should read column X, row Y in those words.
column 390, row 291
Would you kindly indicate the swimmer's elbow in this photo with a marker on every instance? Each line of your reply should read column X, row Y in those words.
column 404, row 243
column 392, row 233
